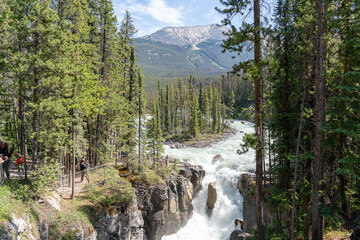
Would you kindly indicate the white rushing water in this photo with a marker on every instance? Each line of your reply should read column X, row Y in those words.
column 229, row 201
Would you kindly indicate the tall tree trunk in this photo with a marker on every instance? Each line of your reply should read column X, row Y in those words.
column 16, row 127
column 35, row 122
column 22, row 127
column 258, row 124
column 139, row 131
column 319, row 118
column 296, row 166
column 342, row 136
column 293, row 212
column 73, row 155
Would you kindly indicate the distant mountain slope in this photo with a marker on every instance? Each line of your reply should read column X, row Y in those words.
column 180, row 51
column 184, row 36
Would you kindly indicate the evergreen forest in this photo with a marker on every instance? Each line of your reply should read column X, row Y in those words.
column 71, row 89
column 306, row 75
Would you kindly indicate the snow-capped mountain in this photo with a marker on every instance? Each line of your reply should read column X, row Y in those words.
column 180, row 51
column 184, row 36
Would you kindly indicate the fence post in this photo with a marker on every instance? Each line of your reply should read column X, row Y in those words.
column 104, row 172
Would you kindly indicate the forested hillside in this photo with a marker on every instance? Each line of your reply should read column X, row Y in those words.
column 70, row 86
column 306, row 72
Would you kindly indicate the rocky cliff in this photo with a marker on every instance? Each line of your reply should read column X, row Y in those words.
column 157, row 210
column 166, row 208
column 246, row 186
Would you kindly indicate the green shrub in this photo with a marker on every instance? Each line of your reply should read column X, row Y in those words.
column 163, row 172
column 176, row 168
column 150, row 177
column 43, row 179
column 114, row 191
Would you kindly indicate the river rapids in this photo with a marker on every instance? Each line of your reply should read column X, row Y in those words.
column 226, row 173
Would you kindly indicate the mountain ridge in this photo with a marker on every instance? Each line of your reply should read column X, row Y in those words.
column 188, row 35
column 180, row 51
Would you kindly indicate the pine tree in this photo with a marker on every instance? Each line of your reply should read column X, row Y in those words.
column 128, row 29
column 141, row 107
column 206, row 113
column 155, row 139
column 132, row 75
column 194, row 124
column 167, row 111
column 214, row 110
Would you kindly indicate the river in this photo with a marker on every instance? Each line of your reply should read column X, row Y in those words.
column 229, row 201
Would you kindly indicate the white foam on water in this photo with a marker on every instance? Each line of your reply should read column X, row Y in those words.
column 228, row 206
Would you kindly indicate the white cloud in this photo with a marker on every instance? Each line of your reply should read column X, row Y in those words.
column 157, row 9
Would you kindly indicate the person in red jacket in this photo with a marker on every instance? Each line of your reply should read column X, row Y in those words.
column 20, row 163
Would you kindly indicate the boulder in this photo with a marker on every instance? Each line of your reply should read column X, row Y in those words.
column 197, row 175
column 217, row 158
column 53, row 200
column 212, row 195
column 238, row 233
column 19, row 224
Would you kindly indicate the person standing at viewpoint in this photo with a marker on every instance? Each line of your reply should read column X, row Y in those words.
column 6, row 152
column 83, row 170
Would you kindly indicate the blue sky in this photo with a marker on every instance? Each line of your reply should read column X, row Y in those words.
column 152, row 15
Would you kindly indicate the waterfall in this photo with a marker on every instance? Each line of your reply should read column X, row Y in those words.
column 229, row 201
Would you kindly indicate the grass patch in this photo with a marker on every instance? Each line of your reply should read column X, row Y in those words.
column 332, row 235
column 115, row 190
column 9, row 204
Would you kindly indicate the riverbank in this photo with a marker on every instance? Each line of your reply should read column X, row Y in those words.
column 203, row 141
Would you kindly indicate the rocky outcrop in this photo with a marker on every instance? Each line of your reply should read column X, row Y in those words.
column 157, row 210
column 212, row 195
column 246, row 185
column 249, row 204
column 166, row 208
column 121, row 222
column 16, row 227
